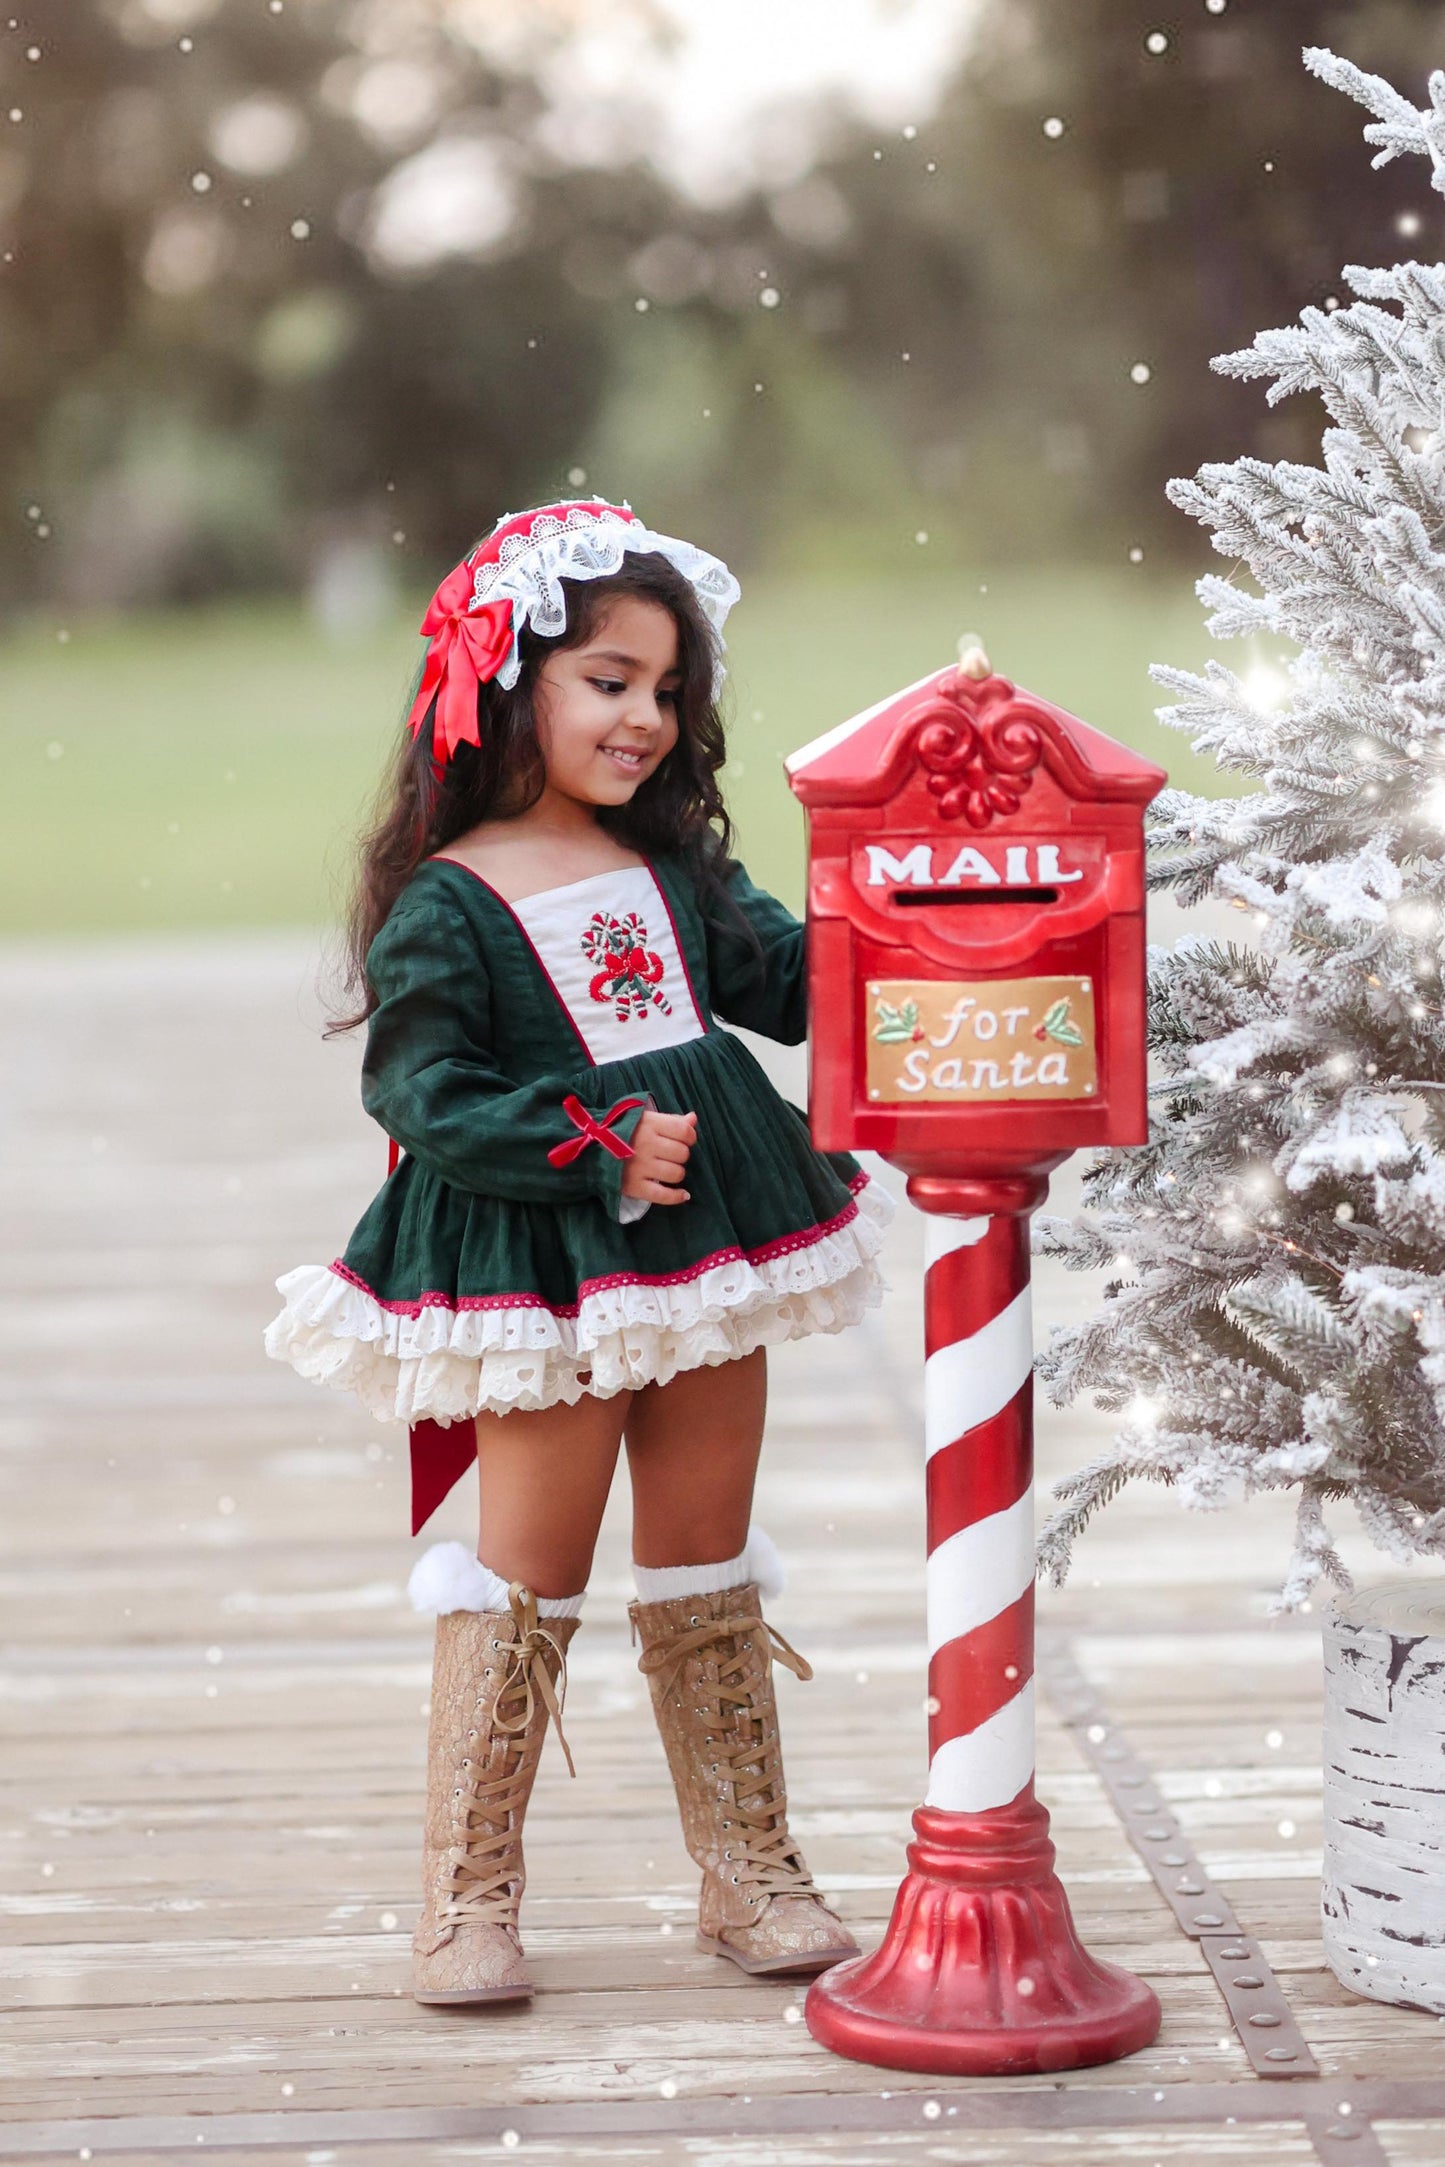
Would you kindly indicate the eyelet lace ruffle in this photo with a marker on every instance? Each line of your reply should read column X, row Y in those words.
column 588, row 545
column 448, row 1364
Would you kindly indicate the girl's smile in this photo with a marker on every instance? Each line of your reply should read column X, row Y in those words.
column 607, row 712
column 606, row 716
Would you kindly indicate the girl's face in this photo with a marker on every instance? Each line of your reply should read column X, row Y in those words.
column 606, row 713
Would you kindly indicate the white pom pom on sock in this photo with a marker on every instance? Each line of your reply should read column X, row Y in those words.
column 448, row 1576
column 765, row 1564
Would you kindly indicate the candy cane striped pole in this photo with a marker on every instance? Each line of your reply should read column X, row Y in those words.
column 978, row 1434
column 980, row 1971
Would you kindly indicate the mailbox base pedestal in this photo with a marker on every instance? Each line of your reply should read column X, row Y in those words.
column 980, row 1972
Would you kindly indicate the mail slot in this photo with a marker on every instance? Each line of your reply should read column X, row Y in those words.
column 976, row 928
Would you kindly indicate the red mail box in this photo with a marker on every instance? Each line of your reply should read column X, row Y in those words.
column 976, row 928
column 976, row 960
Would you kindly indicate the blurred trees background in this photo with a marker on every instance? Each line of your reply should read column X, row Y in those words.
column 302, row 296
column 904, row 306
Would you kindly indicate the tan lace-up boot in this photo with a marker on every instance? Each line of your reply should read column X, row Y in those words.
column 495, row 1681
column 708, row 1662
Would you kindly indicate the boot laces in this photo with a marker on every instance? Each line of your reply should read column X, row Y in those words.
column 750, row 1764
column 483, row 1877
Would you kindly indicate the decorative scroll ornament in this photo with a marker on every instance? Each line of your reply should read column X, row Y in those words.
column 979, row 769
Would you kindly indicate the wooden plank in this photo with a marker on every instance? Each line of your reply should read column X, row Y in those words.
column 1412, row 2144
column 211, row 1701
column 1162, row 2147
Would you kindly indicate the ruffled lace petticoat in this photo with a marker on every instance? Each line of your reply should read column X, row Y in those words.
column 444, row 1360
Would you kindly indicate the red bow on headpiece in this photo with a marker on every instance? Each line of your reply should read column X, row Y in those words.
column 468, row 647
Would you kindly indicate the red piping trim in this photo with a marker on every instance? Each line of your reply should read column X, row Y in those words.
column 443, row 1301
column 440, row 857
column 785, row 1245
column 677, row 943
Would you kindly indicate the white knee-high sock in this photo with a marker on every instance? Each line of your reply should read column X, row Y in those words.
column 661, row 1583
column 758, row 1561
column 448, row 1576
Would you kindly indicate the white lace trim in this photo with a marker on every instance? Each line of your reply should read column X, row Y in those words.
column 587, row 545
column 450, row 1363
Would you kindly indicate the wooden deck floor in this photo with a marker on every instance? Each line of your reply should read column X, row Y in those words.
column 212, row 1693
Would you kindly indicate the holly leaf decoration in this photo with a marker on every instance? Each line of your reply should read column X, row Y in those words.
column 895, row 1025
column 1060, row 1026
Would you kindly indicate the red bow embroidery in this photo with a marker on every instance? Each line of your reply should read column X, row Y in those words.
column 594, row 1130
column 630, row 963
column 468, row 647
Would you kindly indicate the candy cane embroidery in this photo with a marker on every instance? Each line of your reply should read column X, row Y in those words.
column 629, row 973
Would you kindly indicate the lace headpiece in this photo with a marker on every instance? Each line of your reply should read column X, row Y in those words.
column 513, row 579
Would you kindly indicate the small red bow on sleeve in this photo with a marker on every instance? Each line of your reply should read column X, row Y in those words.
column 594, row 1130
column 468, row 647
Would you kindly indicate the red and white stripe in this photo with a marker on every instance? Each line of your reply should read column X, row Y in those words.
column 978, row 1420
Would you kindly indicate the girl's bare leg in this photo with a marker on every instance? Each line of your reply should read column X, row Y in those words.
column 544, row 1478
column 692, row 1453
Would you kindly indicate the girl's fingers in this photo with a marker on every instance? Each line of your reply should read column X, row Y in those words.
column 668, row 1154
column 652, row 1173
column 660, row 1155
column 661, row 1192
column 681, row 1127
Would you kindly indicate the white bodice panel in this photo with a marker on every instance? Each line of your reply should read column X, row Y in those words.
column 610, row 949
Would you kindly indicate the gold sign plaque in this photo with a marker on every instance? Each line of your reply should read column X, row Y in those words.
column 934, row 1041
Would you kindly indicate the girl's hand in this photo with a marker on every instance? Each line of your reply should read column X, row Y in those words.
column 660, row 1145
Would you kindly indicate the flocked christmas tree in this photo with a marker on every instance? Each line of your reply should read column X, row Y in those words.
column 1275, row 1314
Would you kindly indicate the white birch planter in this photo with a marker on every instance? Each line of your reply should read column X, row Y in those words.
column 1383, row 1902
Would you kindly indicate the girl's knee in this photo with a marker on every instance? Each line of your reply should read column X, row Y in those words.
column 550, row 1574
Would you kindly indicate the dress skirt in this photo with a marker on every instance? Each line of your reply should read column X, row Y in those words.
column 448, row 1302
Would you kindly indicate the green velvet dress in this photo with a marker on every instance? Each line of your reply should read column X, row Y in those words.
column 511, row 1055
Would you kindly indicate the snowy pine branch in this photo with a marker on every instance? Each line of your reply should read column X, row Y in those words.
column 1274, row 1309
column 1400, row 127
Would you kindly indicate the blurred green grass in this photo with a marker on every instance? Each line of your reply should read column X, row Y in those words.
column 210, row 768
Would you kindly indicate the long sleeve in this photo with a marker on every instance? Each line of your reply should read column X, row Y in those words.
column 430, row 1077
column 764, row 992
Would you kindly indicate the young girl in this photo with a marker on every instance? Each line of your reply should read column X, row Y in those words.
column 601, row 1217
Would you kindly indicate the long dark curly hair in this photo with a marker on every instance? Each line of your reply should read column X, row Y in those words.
column 679, row 808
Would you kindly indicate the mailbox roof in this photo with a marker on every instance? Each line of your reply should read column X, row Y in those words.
column 855, row 762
